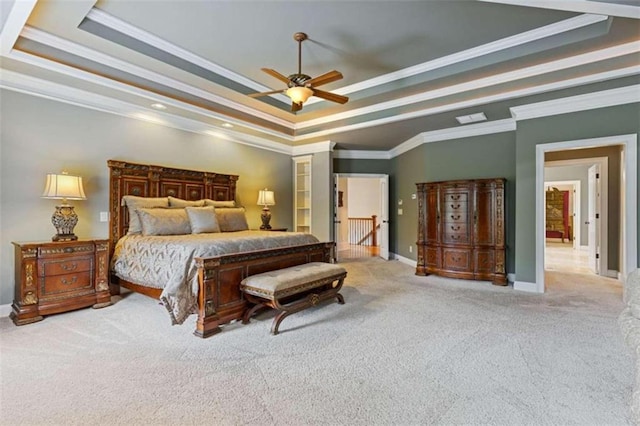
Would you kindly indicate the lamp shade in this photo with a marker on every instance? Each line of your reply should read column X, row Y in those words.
column 64, row 186
column 299, row 94
column 266, row 198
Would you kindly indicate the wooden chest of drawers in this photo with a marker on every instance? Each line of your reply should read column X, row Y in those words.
column 461, row 229
column 53, row 277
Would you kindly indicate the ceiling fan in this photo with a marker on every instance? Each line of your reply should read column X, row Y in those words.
column 301, row 86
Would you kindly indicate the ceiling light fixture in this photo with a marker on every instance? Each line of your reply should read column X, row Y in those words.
column 158, row 105
column 299, row 94
column 472, row 118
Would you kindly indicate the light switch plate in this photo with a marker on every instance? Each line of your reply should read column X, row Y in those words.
column 399, row 212
column 104, row 216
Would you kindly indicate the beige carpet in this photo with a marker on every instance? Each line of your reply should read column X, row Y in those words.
column 402, row 350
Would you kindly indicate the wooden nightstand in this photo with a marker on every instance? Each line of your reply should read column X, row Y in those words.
column 53, row 277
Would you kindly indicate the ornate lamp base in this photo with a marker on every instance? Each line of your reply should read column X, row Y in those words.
column 266, row 218
column 64, row 219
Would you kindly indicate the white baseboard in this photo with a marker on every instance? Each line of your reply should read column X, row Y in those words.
column 5, row 310
column 612, row 274
column 525, row 286
column 404, row 260
column 511, row 278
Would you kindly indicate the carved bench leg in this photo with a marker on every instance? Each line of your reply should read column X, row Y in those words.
column 246, row 318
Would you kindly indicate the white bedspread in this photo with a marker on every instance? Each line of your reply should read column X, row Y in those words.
column 167, row 262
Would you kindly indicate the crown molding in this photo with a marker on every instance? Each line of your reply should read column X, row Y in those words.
column 361, row 155
column 16, row 20
column 11, row 80
column 120, row 26
column 493, row 80
column 602, row 99
column 583, row 6
column 110, row 61
column 465, row 55
column 312, row 148
column 467, row 131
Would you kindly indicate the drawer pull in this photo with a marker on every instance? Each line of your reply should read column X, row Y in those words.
column 68, row 249
column 455, row 228
column 455, row 237
column 455, row 197
column 457, row 206
column 456, row 217
column 69, row 282
column 72, row 267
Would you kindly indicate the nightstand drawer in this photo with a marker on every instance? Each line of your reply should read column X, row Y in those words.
column 77, row 249
column 66, row 266
column 60, row 285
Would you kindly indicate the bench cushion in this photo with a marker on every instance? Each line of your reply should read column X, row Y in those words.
column 292, row 280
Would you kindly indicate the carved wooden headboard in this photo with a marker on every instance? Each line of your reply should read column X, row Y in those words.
column 145, row 180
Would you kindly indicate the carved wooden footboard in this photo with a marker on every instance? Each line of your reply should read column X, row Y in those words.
column 220, row 299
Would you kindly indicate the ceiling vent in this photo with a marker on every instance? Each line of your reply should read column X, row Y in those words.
column 473, row 118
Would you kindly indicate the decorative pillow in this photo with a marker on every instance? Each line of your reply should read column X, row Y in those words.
column 208, row 202
column 232, row 219
column 164, row 221
column 179, row 202
column 202, row 219
column 134, row 202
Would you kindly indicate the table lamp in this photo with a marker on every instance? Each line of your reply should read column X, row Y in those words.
column 64, row 187
column 266, row 199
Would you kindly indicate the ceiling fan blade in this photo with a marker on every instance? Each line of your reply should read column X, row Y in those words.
column 276, row 74
column 295, row 107
column 330, row 96
column 329, row 77
column 257, row 95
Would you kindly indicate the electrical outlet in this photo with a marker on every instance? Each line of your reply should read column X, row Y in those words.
column 410, row 249
column 413, row 196
column 104, row 216
column 399, row 212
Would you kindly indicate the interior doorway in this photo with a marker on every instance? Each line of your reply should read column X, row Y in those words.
column 361, row 215
column 627, row 207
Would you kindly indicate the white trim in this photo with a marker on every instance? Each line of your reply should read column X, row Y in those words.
column 511, row 277
column 612, row 274
column 326, row 146
column 46, row 89
column 404, row 260
column 16, row 20
column 361, row 155
column 469, row 130
column 584, row 6
column 526, row 286
column 475, row 52
column 5, row 310
column 480, row 101
column 492, row 80
column 629, row 176
column 110, row 61
column 118, row 25
column 602, row 99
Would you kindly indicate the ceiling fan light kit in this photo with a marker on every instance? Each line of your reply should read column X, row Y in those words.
column 301, row 86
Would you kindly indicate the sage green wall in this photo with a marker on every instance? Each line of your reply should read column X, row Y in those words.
column 613, row 194
column 477, row 157
column 40, row 136
column 597, row 123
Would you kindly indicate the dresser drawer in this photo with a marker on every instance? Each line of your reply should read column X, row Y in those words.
column 63, row 285
column 456, row 197
column 455, row 208
column 456, row 216
column 65, row 250
column 456, row 238
column 456, row 260
column 66, row 266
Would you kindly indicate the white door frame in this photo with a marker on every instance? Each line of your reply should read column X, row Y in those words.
column 629, row 182
column 577, row 217
column 378, row 176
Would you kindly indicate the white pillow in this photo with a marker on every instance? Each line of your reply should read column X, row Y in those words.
column 134, row 202
column 202, row 219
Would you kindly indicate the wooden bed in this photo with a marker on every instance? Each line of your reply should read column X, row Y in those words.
column 219, row 297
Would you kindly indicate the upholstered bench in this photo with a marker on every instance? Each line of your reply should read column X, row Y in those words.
column 293, row 289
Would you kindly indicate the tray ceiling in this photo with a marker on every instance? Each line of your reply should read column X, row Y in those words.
column 409, row 67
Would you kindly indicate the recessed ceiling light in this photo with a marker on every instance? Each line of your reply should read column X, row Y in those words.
column 227, row 125
column 158, row 106
column 473, row 118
